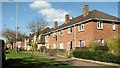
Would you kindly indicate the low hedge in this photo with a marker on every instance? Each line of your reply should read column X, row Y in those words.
column 102, row 48
column 96, row 55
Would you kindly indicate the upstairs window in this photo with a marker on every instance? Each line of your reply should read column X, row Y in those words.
column 54, row 34
column 113, row 25
column 69, row 30
column 82, row 43
column 99, row 25
column 61, row 32
column 80, row 27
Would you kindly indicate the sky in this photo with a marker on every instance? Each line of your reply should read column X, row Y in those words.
column 50, row 11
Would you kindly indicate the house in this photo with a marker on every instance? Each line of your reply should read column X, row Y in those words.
column 20, row 45
column 93, row 26
column 41, row 38
column 27, row 42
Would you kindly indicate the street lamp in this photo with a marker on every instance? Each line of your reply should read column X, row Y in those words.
column 16, row 25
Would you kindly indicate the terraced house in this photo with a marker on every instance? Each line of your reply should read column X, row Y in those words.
column 78, row 32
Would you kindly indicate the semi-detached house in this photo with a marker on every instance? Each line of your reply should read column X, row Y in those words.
column 78, row 32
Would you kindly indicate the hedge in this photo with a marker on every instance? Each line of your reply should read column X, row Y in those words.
column 102, row 48
column 96, row 55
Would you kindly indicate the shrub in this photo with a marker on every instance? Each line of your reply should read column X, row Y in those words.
column 43, row 49
column 34, row 46
column 96, row 55
column 52, row 52
column 102, row 48
column 98, row 46
column 92, row 45
column 114, row 46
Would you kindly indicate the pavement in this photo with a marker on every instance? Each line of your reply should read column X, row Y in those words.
column 73, row 62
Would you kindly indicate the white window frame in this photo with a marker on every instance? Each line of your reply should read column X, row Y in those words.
column 113, row 26
column 54, row 46
column 100, row 24
column 54, row 34
column 101, row 40
column 61, row 45
column 81, row 27
column 80, row 43
column 69, row 30
column 61, row 32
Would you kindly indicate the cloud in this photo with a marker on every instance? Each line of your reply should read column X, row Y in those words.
column 40, row 4
column 51, row 14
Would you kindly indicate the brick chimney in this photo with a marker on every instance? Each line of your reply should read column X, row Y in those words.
column 55, row 24
column 85, row 10
column 67, row 17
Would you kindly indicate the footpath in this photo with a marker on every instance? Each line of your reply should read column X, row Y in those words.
column 73, row 61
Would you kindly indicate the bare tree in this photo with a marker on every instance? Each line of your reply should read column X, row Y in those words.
column 36, row 26
column 10, row 35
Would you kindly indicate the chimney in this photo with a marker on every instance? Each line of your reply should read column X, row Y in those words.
column 85, row 10
column 67, row 17
column 55, row 24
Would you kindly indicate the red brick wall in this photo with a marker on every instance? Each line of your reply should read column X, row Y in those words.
column 107, row 32
column 86, row 35
column 89, row 34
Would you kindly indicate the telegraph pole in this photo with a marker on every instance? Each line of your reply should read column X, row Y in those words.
column 16, row 25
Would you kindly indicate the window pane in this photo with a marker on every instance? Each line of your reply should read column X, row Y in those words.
column 82, row 43
column 113, row 26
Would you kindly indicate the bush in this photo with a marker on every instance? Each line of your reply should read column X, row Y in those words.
column 114, row 46
column 96, row 55
column 92, row 45
column 43, row 49
column 34, row 46
column 102, row 48
column 52, row 52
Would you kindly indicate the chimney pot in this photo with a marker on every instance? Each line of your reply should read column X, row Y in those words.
column 55, row 24
column 85, row 10
column 67, row 17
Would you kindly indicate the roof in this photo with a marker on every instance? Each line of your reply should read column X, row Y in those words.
column 42, row 38
column 45, row 30
column 94, row 14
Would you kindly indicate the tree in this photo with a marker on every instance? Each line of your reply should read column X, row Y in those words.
column 114, row 46
column 10, row 36
column 36, row 26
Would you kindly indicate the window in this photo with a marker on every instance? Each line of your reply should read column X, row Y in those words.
column 61, row 32
column 101, row 40
column 80, row 27
column 70, row 45
column 69, row 30
column 54, row 34
column 82, row 43
column 54, row 46
column 113, row 25
column 61, row 46
column 100, row 25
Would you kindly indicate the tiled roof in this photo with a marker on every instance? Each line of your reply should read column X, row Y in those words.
column 95, row 14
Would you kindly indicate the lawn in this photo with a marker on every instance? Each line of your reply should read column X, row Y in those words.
column 23, row 60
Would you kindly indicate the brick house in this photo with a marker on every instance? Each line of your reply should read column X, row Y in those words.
column 41, row 38
column 80, row 31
